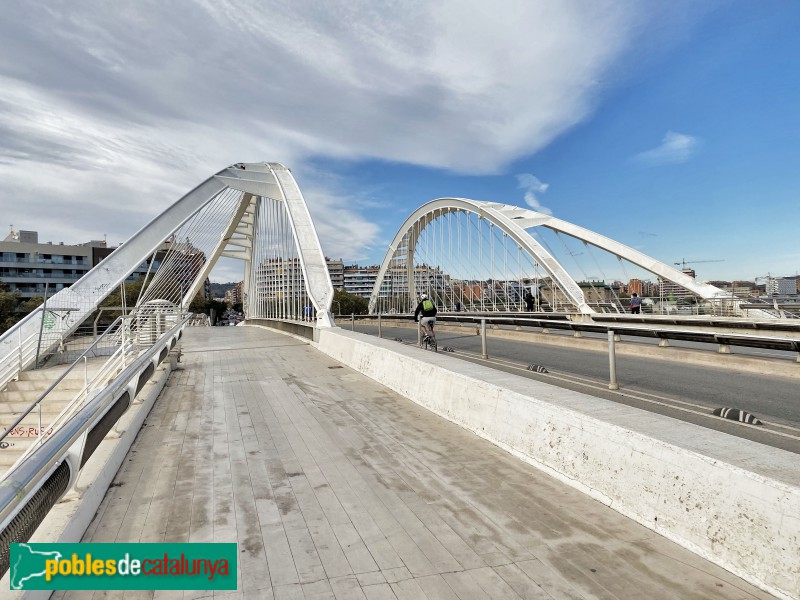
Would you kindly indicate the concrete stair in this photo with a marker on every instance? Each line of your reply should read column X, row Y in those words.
column 20, row 394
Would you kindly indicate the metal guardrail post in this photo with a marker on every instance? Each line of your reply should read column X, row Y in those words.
column 353, row 321
column 484, row 353
column 612, row 362
column 379, row 325
column 41, row 327
column 419, row 333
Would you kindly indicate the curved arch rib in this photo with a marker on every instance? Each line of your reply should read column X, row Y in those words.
column 527, row 219
column 253, row 180
column 490, row 211
column 273, row 180
column 515, row 221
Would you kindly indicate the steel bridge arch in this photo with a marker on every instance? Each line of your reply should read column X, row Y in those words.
column 235, row 240
column 514, row 221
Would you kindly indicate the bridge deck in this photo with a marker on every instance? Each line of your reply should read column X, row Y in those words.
column 335, row 487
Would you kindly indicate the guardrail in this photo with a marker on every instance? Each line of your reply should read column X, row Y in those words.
column 31, row 488
column 623, row 326
column 20, row 353
column 124, row 346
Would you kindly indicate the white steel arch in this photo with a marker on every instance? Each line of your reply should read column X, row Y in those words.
column 514, row 221
column 233, row 195
column 426, row 213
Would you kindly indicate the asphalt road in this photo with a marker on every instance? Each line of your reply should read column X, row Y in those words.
column 685, row 391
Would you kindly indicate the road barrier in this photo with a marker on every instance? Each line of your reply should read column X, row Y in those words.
column 732, row 501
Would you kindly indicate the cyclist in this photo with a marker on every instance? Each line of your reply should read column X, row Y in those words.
column 428, row 320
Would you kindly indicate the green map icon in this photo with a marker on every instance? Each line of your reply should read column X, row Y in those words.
column 27, row 564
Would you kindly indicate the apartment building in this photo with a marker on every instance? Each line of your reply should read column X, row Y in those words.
column 27, row 265
column 781, row 286
column 336, row 272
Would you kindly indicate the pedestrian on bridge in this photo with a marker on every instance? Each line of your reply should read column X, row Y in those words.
column 528, row 301
column 636, row 304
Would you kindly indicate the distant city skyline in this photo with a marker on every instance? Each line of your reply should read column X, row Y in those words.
column 670, row 127
column 683, row 264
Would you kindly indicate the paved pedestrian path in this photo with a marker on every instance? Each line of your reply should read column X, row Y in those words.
column 335, row 487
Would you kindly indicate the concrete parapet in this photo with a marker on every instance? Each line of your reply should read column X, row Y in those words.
column 732, row 501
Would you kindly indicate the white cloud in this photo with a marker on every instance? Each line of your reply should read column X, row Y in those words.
column 533, row 186
column 674, row 148
column 111, row 112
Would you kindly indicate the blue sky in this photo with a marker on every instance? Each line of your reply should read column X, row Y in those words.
column 670, row 127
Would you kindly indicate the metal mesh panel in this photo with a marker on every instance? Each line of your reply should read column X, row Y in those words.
column 33, row 513
column 99, row 431
column 145, row 377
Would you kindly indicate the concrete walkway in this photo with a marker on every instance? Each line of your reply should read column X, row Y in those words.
column 335, row 487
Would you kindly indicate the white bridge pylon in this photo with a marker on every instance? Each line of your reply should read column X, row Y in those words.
column 249, row 211
column 451, row 248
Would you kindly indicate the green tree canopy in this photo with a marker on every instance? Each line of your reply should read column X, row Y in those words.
column 8, row 308
column 345, row 303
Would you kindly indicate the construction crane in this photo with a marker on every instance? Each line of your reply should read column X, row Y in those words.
column 685, row 262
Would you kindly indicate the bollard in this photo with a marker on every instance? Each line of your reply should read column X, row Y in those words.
column 483, row 339
column 612, row 362
column 419, row 333
column 379, row 325
column 352, row 321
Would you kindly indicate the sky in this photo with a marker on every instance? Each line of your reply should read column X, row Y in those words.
column 671, row 127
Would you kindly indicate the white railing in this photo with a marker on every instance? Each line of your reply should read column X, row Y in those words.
column 20, row 352
column 130, row 336
column 25, row 477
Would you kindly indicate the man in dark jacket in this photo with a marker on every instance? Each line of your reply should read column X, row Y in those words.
column 428, row 310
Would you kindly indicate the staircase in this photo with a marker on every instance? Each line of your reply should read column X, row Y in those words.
column 20, row 394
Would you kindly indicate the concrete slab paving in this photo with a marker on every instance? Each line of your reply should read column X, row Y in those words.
column 335, row 487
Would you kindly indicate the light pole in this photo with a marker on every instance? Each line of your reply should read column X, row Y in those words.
column 339, row 304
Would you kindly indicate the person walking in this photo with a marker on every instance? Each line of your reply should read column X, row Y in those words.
column 528, row 301
column 636, row 304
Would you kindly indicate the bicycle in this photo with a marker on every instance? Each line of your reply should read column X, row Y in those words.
column 427, row 342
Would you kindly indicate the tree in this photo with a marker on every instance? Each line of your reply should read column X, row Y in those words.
column 345, row 303
column 8, row 307
column 132, row 291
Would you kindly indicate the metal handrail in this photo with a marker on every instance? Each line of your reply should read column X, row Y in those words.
column 25, row 478
column 791, row 344
column 12, row 367
column 68, row 411
column 55, row 383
